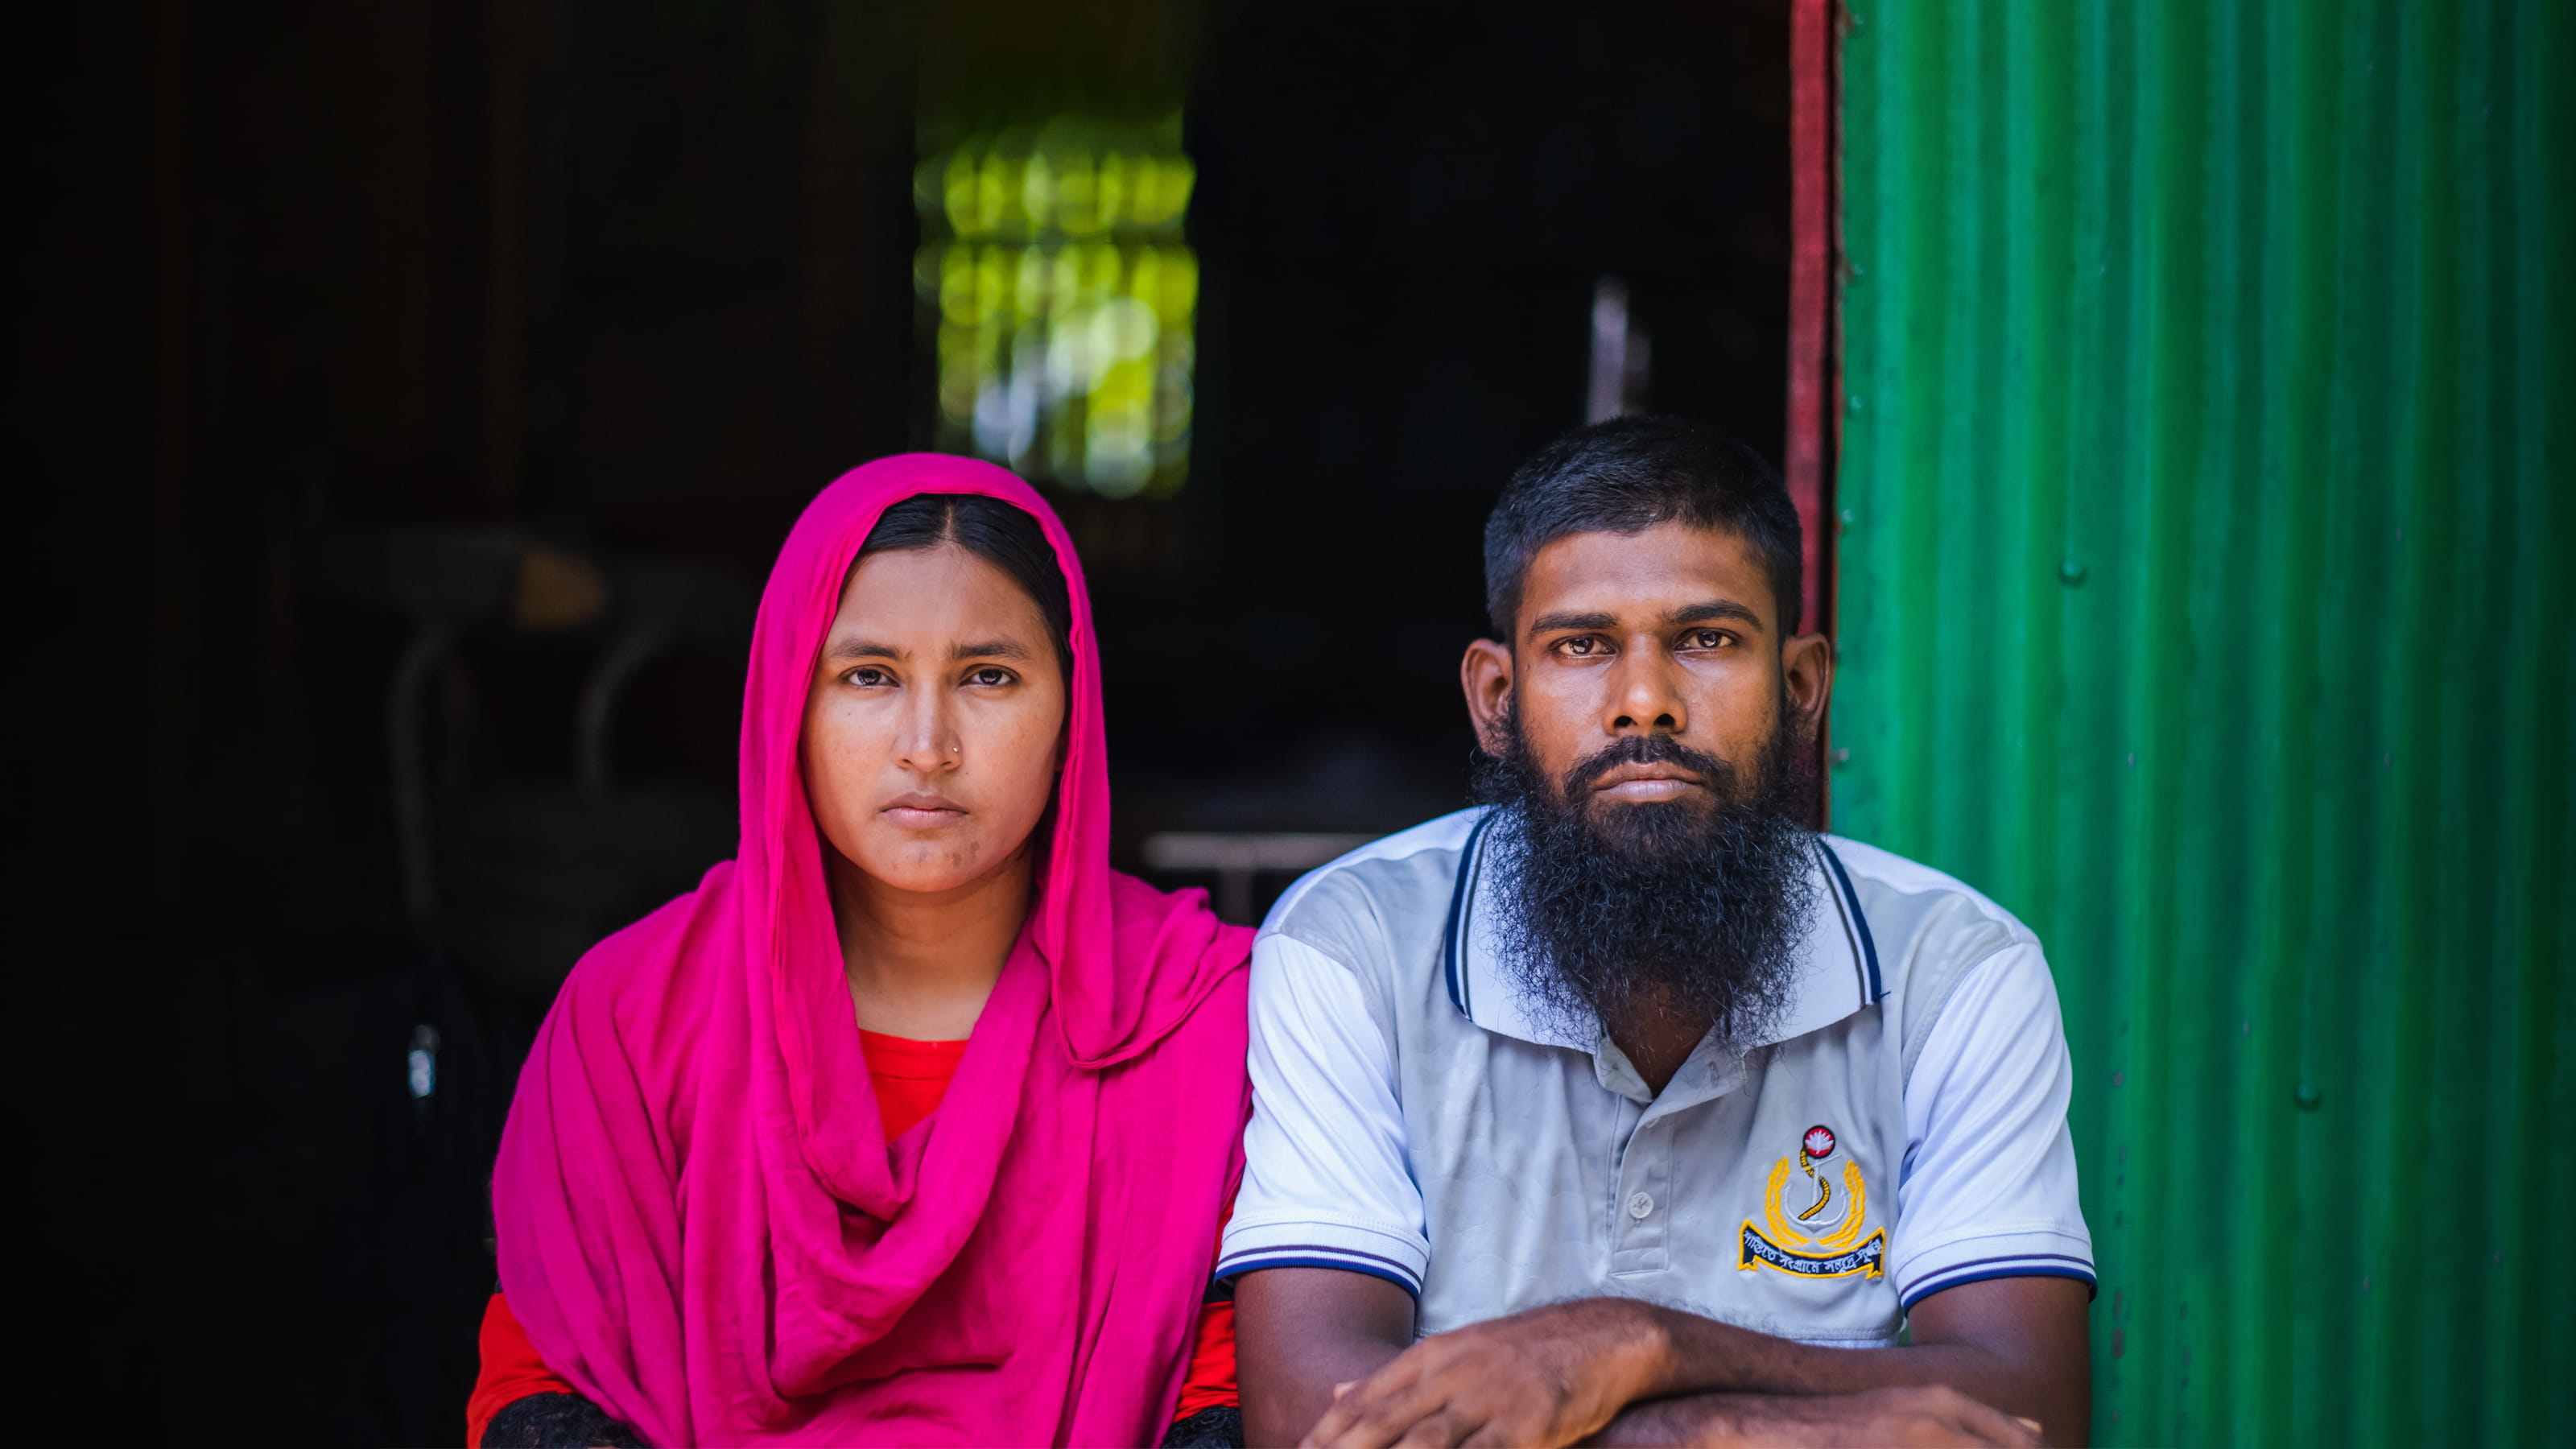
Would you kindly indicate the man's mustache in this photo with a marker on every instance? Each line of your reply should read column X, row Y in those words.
column 1716, row 774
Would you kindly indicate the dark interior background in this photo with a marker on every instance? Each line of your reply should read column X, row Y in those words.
column 496, row 337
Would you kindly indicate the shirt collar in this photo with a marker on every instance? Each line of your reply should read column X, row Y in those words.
column 1836, row 975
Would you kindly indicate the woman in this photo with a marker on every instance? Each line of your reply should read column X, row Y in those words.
column 740, row 1197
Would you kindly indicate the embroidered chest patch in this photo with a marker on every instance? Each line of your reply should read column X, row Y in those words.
column 1814, row 1222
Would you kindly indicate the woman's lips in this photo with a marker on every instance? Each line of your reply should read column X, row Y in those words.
column 921, row 812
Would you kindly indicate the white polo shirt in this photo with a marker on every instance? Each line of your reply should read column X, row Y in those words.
column 1901, row 1131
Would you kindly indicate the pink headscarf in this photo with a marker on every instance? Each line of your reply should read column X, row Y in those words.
column 700, row 1224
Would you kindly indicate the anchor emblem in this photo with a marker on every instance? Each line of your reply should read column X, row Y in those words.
column 1825, row 1238
column 1813, row 1148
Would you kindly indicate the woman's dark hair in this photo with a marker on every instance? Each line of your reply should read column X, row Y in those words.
column 997, row 533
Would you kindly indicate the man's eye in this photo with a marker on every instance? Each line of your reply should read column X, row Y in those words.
column 1580, row 646
column 1708, row 639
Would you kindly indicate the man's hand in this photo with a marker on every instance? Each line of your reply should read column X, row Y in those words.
column 1550, row 1376
column 1927, row 1416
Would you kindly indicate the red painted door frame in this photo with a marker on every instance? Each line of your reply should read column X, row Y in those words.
column 1815, row 351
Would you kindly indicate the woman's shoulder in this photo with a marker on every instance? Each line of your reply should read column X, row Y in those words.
column 1193, row 956
column 1130, row 893
column 635, row 976
column 1147, row 916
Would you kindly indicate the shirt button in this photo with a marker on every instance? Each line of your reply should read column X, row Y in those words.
column 1640, row 1204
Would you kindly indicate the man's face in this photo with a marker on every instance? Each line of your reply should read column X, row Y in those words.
column 1672, row 632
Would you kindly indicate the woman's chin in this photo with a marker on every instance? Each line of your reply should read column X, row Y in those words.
column 928, row 867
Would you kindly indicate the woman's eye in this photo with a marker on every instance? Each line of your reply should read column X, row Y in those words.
column 867, row 677
column 989, row 677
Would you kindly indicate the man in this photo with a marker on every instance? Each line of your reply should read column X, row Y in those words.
column 1625, row 1105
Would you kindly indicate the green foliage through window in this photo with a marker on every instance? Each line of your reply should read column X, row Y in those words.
column 1064, row 297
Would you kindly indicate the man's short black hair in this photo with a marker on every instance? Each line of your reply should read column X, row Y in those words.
column 1628, row 475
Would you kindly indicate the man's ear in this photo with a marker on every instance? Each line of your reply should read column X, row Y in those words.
column 1486, row 675
column 1807, row 675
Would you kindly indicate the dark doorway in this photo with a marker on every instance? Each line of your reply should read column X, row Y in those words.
column 417, row 395
column 1406, row 217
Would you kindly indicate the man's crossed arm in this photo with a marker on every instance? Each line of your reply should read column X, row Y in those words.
column 1329, row 1358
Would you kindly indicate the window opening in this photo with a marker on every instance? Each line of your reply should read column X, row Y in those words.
column 1063, row 300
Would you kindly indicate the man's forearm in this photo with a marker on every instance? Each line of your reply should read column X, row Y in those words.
column 2017, row 1344
column 1700, row 1355
column 1877, row 1416
column 1696, row 1419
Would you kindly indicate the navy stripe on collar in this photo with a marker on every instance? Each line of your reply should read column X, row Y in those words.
column 1453, row 937
column 1859, row 921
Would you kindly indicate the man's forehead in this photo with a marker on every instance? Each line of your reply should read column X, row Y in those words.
column 1651, row 574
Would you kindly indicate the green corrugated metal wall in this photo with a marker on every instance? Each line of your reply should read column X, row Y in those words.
column 2205, row 598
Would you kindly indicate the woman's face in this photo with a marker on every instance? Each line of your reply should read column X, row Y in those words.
column 935, row 721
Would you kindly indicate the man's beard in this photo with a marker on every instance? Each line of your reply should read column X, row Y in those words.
column 1686, row 911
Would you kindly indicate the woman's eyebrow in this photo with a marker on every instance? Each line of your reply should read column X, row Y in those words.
column 991, row 649
column 861, row 649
